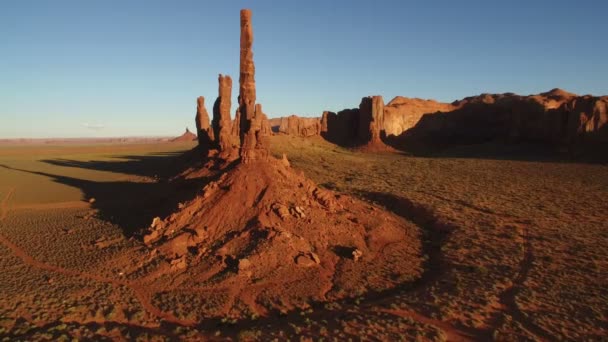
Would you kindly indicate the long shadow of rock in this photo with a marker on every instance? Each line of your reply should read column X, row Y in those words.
column 158, row 165
column 130, row 205
column 133, row 205
column 434, row 230
column 587, row 153
column 59, row 329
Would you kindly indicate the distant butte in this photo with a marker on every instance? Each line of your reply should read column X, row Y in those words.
column 553, row 117
column 187, row 136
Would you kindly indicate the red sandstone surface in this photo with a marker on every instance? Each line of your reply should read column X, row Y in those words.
column 554, row 117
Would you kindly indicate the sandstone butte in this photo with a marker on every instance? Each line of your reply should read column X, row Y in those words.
column 187, row 136
column 297, row 126
column 556, row 116
column 260, row 221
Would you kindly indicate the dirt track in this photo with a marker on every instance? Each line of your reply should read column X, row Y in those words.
column 142, row 295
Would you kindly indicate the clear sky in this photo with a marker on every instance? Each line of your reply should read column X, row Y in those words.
column 128, row 68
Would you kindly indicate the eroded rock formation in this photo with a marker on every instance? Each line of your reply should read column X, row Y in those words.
column 222, row 124
column 261, row 222
column 371, row 120
column 356, row 127
column 267, row 223
column 254, row 142
column 203, row 129
column 403, row 113
column 326, row 117
column 553, row 117
column 298, row 126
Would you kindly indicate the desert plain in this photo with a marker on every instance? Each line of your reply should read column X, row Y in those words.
column 511, row 248
column 481, row 219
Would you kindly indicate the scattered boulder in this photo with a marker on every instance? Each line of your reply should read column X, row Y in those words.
column 307, row 259
column 285, row 161
column 326, row 198
column 357, row 254
column 281, row 210
column 152, row 237
column 157, row 223
column 178, row 263
column 297, row 212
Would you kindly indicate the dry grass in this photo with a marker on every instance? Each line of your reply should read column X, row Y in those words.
column 526, row 255
column 515, row 249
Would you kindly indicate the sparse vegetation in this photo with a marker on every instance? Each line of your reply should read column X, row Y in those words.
column 514, row 248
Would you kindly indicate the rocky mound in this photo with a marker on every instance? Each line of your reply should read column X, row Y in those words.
column 187, row 136
column 261, row 236
column 266, row 235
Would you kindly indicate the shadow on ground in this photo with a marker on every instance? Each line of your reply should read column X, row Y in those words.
column 157, row 165
column 496, row 150
column 131, row 205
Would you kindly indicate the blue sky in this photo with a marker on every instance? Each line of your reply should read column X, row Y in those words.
column 129, row 68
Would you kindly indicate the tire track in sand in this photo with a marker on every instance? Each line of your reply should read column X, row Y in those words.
column 143, row 296
column 508, row 296
column 4, row 204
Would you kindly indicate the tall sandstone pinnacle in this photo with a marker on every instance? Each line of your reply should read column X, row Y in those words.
column 203, row 129
column 221, row 115
column 250, row 118
column 371, row 120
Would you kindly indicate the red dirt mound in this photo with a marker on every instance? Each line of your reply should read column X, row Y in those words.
column 270, row 239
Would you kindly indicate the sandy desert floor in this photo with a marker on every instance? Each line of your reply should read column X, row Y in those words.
column 514, row 247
